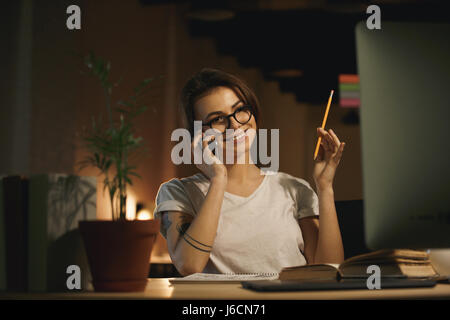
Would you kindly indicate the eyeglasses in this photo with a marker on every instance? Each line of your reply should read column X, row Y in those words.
column 242, row 115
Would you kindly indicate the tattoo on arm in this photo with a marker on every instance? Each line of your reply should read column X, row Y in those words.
column 182, row 228
column 166, row 221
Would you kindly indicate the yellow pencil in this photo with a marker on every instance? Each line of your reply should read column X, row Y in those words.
column 323, row 124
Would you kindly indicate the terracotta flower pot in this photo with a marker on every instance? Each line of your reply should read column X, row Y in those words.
column 119, row 252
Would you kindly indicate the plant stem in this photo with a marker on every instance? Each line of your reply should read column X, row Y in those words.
column 122, row 184
column 111, row 126
column 108, row 106
column 123, row 195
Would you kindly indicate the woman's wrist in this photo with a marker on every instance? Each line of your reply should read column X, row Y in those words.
column 325, row 189
column 220, row 180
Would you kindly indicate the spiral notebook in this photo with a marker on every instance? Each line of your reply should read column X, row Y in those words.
column 224, row 277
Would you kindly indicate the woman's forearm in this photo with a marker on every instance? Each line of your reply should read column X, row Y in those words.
column 329, row 245
column 193, row 247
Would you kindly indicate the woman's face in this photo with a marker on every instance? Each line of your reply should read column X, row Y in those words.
column 222, row 101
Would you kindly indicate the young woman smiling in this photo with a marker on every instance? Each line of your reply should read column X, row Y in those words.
column 234, row 217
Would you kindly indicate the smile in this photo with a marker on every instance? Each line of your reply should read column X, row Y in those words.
column 239, row 136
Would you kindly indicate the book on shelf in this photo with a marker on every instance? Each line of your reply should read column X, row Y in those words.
column 2, row 239
column 393, row 263
column 57, row 202
column 15, row 236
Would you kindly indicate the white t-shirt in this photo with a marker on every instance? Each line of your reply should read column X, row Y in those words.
column 259, row 233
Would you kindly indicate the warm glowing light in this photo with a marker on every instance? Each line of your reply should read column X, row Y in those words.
column 131, row 206
column 144, row 214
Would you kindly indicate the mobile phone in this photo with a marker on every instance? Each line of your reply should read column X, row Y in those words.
column 212, row 146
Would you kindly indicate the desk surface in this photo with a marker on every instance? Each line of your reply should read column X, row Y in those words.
column 162, row 289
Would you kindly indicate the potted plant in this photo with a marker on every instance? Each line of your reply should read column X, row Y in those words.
column 118, row 250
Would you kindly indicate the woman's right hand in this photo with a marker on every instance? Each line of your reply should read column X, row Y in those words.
column 210, row 165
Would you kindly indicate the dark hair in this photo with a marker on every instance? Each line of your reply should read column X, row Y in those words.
column 206, row 80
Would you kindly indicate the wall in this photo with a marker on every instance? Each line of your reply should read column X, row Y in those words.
column 15, row 95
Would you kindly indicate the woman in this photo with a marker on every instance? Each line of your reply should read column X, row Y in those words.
column 233, row 218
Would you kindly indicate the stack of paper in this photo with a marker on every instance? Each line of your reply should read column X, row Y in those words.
column 349, row 91
column 224, row 277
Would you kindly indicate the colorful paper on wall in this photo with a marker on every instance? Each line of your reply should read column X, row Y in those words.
column 349, row 94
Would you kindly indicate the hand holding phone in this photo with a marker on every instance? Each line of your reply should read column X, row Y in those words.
column 210, row 165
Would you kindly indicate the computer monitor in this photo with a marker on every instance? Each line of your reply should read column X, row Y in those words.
column 404, row 72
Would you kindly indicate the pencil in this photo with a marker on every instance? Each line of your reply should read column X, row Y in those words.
column 323, row 124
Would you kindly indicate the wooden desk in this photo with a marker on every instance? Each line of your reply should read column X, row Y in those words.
column 162, row 289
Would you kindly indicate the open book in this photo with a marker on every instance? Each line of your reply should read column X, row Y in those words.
column 393, row 263
column 224, row 277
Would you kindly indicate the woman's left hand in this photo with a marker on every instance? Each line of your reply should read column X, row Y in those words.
column 327, row 160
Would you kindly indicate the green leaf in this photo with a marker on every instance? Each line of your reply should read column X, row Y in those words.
column 139, row 111
column 134, row 174
column 128, row 180
column 124, row 103
column 112, row 191
column 122, row 110
column 108, row 164
column 142, row 85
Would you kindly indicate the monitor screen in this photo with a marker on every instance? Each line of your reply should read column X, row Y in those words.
column 404, row 71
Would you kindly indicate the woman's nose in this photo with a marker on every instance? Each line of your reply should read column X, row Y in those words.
column 234, row 124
